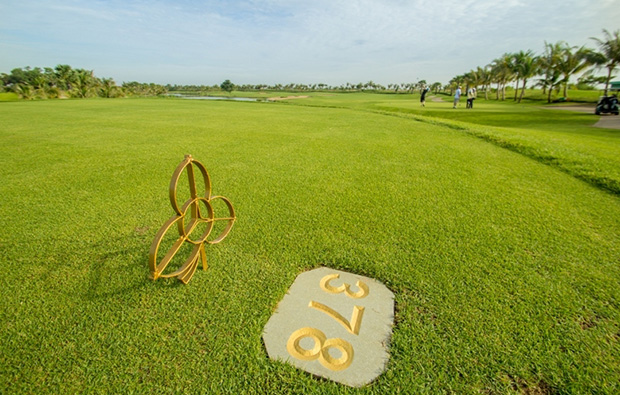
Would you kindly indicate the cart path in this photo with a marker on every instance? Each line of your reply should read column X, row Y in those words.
column 606, row 121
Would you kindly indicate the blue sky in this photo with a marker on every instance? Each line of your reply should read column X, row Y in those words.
column 283, row 41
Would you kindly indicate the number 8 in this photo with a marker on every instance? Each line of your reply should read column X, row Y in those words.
column 320, row 350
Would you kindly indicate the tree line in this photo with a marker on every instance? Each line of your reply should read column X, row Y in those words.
column 551, row 71
column 408, row 87
column 63, row 81
column 553, row 68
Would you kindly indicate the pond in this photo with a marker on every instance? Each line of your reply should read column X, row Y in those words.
column 215, row 97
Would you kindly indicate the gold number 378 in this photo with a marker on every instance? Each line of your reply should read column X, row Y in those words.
column 320, row 349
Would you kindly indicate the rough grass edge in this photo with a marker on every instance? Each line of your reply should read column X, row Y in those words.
column 572, row 168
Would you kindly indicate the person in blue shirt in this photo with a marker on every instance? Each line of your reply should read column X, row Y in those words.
column 457, row 96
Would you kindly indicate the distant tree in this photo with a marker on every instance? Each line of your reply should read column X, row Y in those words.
column 3, row 81
column 451, row 85
column 589, row 80
column 527, row 67
column 455, row 82
column 502, row 71
column 41, row 86
column 471, row 79
column 370, row 85
column 140, row 89
column 27, row 75
column 65, row 76
column 573, row 60
column 24, row 90
column 484, row 78
column 227, row 86
column 108, row 88
column 549, row 67
column 85, row 83
column 609, row 54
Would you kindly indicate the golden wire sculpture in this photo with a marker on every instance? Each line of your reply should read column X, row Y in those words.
column 187, row 218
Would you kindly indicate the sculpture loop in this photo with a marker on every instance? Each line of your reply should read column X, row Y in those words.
column 196, row 211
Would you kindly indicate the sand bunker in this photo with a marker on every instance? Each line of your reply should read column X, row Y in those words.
column 287, row 98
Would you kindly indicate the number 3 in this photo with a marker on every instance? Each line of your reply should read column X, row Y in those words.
column 346, row 288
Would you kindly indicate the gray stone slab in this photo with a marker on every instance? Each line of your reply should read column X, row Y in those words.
column 333, row 328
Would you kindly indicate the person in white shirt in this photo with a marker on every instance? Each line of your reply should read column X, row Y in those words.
column 471, row 96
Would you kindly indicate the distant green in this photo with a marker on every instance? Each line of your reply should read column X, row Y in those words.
column 504, row 266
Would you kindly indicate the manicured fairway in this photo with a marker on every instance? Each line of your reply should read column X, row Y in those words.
column 563, row 139
column 505, row 269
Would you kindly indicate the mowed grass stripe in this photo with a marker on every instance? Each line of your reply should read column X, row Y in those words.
column 563, row 139
column 505, row 271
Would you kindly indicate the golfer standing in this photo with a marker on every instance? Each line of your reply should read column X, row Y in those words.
column 423, row 96
column 471, row 96
column 457, row 96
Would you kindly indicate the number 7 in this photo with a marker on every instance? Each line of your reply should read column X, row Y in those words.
column 352, row 326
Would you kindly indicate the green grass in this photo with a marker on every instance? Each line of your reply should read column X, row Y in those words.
column 8, row 96
column 505, row 269
column 563, row 139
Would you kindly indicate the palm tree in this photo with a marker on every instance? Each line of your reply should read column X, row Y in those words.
column 108, row 87
column 513, row 65
column 484, row 79
column 494, row 75
column 610, row 52
column 527, row 67
column 40, row 85
column 471, row 79
column 549, row 65
column 24, row 91
column 65, row 75
column 369, row 85
column 455, row 82
column 571, row 61
column 502, row 73
column 517, row 59
column 85, row 83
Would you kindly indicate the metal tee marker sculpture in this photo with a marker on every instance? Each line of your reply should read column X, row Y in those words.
column 196, row 211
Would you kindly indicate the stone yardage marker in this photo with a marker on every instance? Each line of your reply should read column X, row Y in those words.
column 333, row 324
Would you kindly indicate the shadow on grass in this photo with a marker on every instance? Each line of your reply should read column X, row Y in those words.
column 121, row 270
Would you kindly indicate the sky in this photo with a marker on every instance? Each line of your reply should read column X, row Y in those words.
column 204, row 42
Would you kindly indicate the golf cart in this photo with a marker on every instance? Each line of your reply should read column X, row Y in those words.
column 609, row 104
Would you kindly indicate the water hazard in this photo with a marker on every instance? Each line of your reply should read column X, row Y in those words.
column 214, row 97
